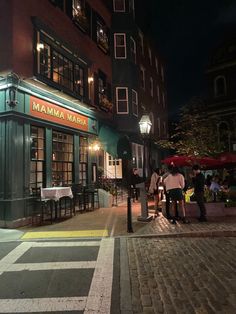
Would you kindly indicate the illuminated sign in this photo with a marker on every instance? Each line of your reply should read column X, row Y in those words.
column 50, row 112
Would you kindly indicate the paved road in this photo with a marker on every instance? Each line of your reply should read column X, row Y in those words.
column 182, row 275
column 73, row 276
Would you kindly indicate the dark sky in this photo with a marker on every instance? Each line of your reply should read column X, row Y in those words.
column 185, row 32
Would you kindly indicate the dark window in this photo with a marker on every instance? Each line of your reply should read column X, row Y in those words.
column 79, row 80
column 37, row 164
column 62, row 158
column 119, row 5
column 122, row 100
column 120, row 46
column 220, row 86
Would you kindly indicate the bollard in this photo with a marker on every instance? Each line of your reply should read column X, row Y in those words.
column 129, row 215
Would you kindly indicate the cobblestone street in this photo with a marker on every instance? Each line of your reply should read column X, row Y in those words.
column 182, row 275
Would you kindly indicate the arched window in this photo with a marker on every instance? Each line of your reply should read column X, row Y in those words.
column 220, row 86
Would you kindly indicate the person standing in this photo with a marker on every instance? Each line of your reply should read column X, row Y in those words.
column 153, row 189
column 174, row 184
column 198, row 180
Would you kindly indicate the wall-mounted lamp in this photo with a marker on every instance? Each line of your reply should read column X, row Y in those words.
column 90, row 79
column 12, row 102
column 40, row 46
column 94, row 147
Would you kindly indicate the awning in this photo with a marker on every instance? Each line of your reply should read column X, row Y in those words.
column 114, row 143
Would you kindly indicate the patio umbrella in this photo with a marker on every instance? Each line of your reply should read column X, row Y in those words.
column 189, row 161
column 228, row 159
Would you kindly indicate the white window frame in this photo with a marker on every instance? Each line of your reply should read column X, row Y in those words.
column 151, row 86
column 115, row 45
column 141, row 42
column 150, row 55
column 142, row 71
column 158, row 94
column 134, row 51
column 135, row 103
column 156, row 64
column 126, row 99
column 114, row 6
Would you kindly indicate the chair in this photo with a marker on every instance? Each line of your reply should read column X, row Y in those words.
column 66, row 203
column 42, row 208
column 78, row 196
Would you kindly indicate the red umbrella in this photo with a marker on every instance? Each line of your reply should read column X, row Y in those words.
column 188, row 161
column 228, row 158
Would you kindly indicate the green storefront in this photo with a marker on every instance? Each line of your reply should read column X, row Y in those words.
column 44, row 141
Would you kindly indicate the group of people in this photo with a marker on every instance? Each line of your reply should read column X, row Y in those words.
column 174, row 185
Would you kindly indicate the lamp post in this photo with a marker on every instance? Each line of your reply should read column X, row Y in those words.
column 145, row 125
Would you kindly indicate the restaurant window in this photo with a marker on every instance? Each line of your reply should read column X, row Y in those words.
column 62, row 158
column 113, row 161
column 122, row 100
column 119, row 5
column 102, row 36
column 79, row 80
column 142, row 77
column 37, row 164
column 133, row 50
column 65, row 73
column 120, row 46
column 83, row 161
column 135, row 103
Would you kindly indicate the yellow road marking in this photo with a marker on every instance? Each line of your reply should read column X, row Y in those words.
column 65, row 234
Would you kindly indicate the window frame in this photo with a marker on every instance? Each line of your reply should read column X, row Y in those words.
column 115, row 46
column 134, row 103
column 133, row 52
column 125, row 100
column 114, row 6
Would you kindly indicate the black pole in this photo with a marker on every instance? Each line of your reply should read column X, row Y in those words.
column 129, row 215
column 144, row 160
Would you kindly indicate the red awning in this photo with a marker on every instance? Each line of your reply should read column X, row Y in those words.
column 189, row 161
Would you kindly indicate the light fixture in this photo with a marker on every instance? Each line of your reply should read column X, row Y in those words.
column 40, row 46
column 90, row 79
column 145, row 125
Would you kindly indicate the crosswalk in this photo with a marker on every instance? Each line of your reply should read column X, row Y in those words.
column 58, row 276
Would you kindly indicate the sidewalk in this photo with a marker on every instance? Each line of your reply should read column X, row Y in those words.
column 113, row 222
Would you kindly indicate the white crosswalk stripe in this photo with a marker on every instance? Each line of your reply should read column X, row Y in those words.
column 99, row 296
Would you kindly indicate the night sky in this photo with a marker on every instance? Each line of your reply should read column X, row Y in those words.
column 186, row 31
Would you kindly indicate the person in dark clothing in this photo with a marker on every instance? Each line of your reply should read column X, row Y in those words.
column 198, row 184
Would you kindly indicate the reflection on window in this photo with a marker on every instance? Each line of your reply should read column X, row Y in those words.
column 102, row 36
column 37, row 140
column 62, row 159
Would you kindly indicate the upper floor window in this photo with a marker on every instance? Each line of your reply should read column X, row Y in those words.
column 133, row 49
column 142, row 77
column 135, row 103
column 220, row 86
column 131, row 7
column 150, row 55
column 104, row 92
column 79, row 14
column 58, row 68
column 119, row 5
column 156, row 64
column 141, row 42
column 102, row 36
column 151, row 86
column 122, row 100
column 120, row 45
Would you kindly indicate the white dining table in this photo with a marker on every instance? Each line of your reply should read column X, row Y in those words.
column 56, row 192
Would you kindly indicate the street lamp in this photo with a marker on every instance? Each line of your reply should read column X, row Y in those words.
column 145, row 125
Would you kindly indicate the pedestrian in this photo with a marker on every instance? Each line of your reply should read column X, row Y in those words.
column 135, row 179
column 175, row 183
column 198, row 180
column 154, row 189
column 165, row 175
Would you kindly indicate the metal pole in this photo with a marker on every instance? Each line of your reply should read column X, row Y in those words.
column 129, row 215
column 144, row 160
